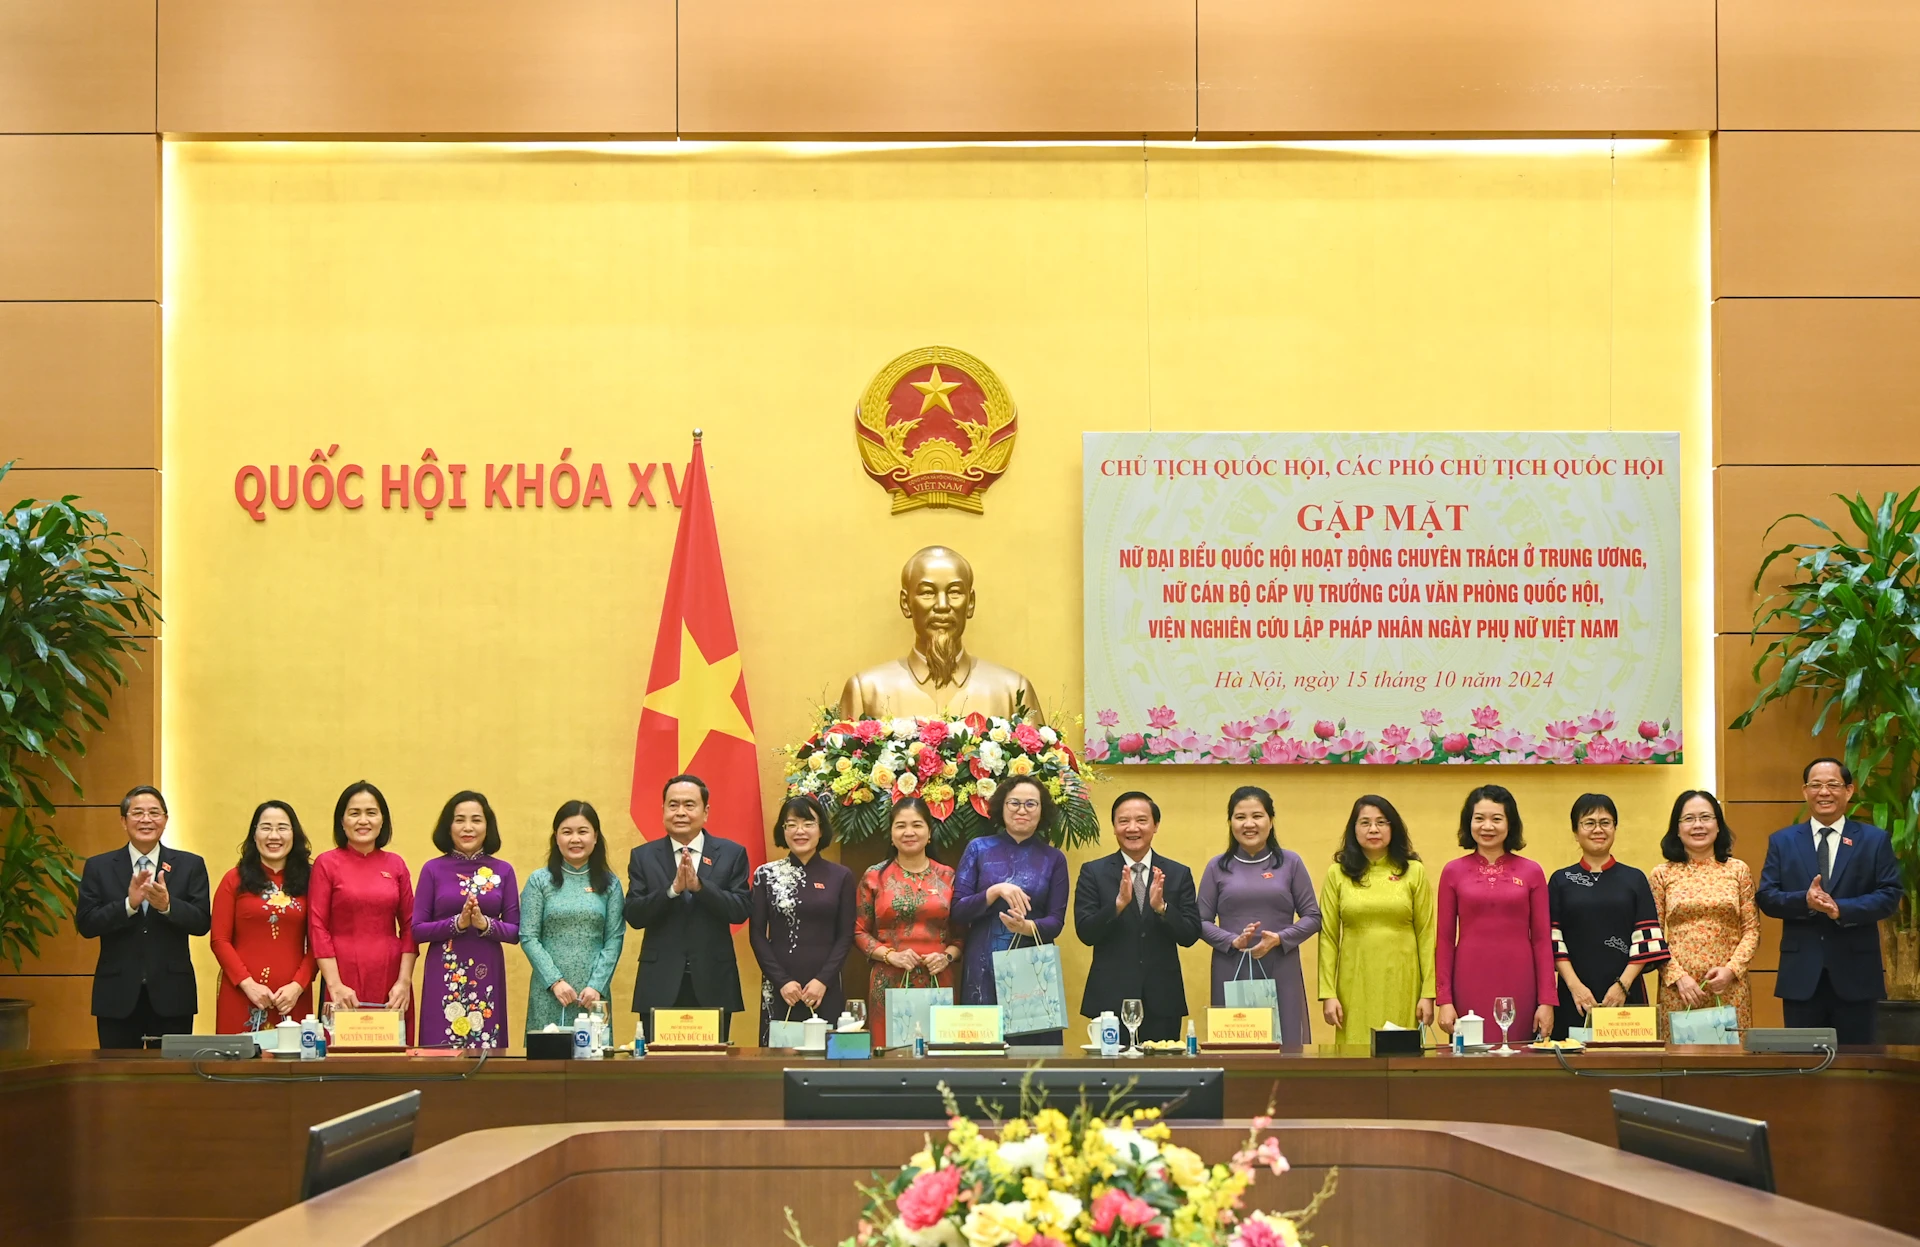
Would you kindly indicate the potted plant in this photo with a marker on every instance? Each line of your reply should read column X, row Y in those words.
column 1854, row 645
column 69, row 606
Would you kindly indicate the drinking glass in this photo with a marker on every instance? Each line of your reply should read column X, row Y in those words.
column 858, row 1009
column 1503, row 1015
column 1132, row 1013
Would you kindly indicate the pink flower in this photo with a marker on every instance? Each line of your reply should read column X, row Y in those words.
column 928, row 763
column 1257, row 1234
column 1455, row 743
column 1160, row 744
column 1160, row 717
column 1347, row 742
column 1484, row 745
column 933, row 732
column 1044, row 1240
column 1635, row 751
column 1027, row 736
column 1132, row 742
column 1432, row 718
column 1394, row 735
column 1108, row 718
column 1274, row 721
column 1279, row 751
column 1239, row 729
column 869, row 730
column 1313, row 751
column 1514, row 757
column 1324, row 729
column 1232, row 750
column 1597, row 722
column 1668, row 744
column 1096, row 750
column 1193, row 757
column 1486, row 718
column 928, row 1197
column 1562, row 729
column 1508, row 741
column 1554, row 751
column 1189, row 741
column 1414, row 751
column 1602, row 752
column 1117, row 1205
column 1649, row 730
column 1380, row 757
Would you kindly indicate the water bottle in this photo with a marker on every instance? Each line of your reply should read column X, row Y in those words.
column 1193, row 1039
column 310, row 1040
column 583, row 1038
column 919, row 1040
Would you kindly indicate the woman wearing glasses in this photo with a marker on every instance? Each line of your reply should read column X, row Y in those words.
column 1010, row 884
column 1606, row 929
column 1705, row 898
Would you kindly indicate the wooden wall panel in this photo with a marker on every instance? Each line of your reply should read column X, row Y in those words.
column 995, row 68
column 497, row 67
column 76, row 68
column 1827, row 381
column 86, row 829
column 1816, row 214
column 79, row 216
column 1290, row 66
column 129, row 498
column 1843, row 65
column 1748, row 499
column 62, row 1015
column 1761, row 763
column 80, row 384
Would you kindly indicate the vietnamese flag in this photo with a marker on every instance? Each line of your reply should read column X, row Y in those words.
column 695, row 717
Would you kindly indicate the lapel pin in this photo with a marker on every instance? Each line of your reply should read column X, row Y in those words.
column 706, row 861
column 1847, row 840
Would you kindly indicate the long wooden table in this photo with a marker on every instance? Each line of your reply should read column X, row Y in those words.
column 100, row 1145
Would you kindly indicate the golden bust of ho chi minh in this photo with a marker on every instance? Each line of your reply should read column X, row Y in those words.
column 939, row 678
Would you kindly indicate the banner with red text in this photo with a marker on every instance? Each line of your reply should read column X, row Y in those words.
column 1396, row 598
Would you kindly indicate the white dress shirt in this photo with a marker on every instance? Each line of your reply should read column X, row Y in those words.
column 1814, row 828
column 1139, row 886
column 134, row 855
column 696, row 844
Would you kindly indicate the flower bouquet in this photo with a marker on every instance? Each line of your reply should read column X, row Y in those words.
column 857, row 767
column 1264, row 741
column 1049, row 1180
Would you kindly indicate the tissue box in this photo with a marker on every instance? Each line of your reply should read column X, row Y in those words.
column 1396, row 1043
column 849, row 1046
column 549, row 1045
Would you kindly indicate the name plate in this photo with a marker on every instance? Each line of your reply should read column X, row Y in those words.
column 368, row 1030
column 1627, row 1024
column 688, row 1028
column 964, row 1024
column 1240, row 1026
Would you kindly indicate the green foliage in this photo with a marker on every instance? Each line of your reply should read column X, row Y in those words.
column 69, row 609
column 1854, row 646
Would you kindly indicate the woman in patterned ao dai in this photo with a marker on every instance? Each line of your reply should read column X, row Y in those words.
column 466, row 909
column 901, row 918
column 571, row 925
column 802, row 923
column 1705, row 898
column 260, row 926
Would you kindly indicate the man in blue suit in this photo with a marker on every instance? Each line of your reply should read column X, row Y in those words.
column 1830, row 880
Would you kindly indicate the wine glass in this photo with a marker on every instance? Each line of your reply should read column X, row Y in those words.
column 1503, row 1015
column 858, row 1010
column 1132, row 1013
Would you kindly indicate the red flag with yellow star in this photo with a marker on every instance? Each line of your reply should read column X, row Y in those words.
column 695, row 717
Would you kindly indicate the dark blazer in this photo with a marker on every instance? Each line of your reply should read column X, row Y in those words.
column 693, row 930
column 149, row 948
column 1136, row 953
column 1865, row 885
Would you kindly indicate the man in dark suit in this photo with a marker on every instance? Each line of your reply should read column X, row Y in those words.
column 1136, row 911
column 142, row 901
column 1830, row 880
column 686, row 891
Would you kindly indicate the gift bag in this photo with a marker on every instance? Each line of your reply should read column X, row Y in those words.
column 1256, row 991
column 1031, row 989
column 1717, row 1025
column 785, row 1032
column 907, row 1009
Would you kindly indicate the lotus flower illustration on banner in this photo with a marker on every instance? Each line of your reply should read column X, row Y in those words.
column 1275, row 739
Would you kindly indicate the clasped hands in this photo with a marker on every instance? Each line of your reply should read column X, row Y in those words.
column 564, row 993
column 281, row 1001
column 907, row 959
column 1820, row 901
column 470, row 916
column 1019, row 904
column 149, row 886
column 1156, row 892
column 1583, row 1000
column 685, row 877
column 1252, row 938
column 1698, row 993
column 809, row 995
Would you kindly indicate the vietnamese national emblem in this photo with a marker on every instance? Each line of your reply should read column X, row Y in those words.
column 935, row 429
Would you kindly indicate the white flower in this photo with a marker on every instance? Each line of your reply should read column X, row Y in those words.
column 1131, row 1143
column 1000, row 735
column 942, row 1233
column 993, row 757
column 477, row 1020
column 1065, row 1208
column 989, row 1225
column 1028, row 1155
column 904, row 729
column 985, row 788
column 1049, row 735
column 958, row 729
column 454, row 1009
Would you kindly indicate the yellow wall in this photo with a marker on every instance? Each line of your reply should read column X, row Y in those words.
column 500, row 303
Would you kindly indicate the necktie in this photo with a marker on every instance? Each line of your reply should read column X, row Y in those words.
column 145, row 864
column 1826, row 855
column 1140, row 885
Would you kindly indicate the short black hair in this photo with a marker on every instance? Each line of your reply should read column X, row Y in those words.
column 443, row 828
column 148, row 790
column 997, row 804
column 299, row 867
column 1586, row 803
column 1806, row 774
column 806, row 806
column 347, row 794
column 1499, row 796
column 706, row 798
column 1675, row 850
column 1125, row 797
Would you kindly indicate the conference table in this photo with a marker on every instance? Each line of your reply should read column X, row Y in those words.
column 103, row 1143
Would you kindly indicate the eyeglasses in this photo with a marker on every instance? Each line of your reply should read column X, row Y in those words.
column 1596, row 824
column 1025, row 806
column 1699, row 820
column 1826, row 785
